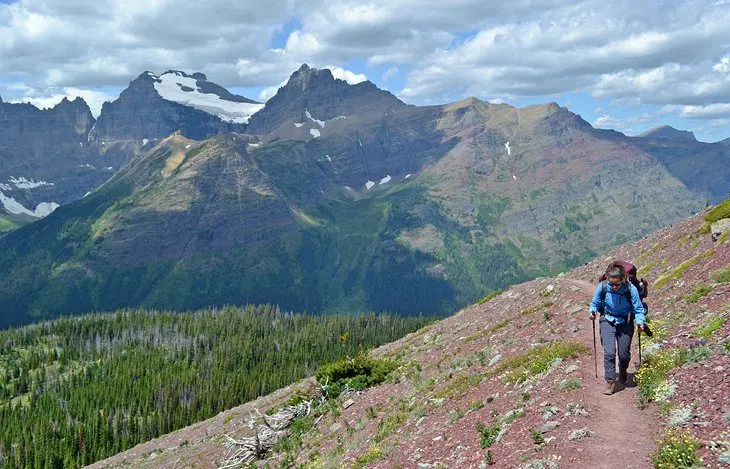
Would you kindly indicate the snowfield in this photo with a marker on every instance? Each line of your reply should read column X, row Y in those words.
column 23, row 183
column 12, row 206
column 170, row 87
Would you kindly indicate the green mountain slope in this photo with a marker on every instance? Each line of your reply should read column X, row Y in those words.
column 399, row 208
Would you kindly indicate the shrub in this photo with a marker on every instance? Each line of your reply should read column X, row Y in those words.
column 359, row 373
column 372, row 454
column 677, row 449
column 698, row 354
column 487, row 434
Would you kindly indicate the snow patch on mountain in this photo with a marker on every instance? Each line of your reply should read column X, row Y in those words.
column 509, row 150
column 5, row 187
column 317, row 121
column 385, row 180
column 175, row 87
column 144, row 141
column 23, row 183
column 314, row 132
column 407, row 176
column 16, row 208
column 298, row 124
column 369, row 185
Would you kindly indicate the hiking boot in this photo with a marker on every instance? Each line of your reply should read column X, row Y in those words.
column 610, row 388
column 622, row 377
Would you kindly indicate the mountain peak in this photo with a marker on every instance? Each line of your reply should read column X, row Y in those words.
column 327, row 97
column 666, row 131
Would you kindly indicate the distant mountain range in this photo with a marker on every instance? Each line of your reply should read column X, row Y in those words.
column 331, row 197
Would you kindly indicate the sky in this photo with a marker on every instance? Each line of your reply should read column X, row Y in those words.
column 623, row 64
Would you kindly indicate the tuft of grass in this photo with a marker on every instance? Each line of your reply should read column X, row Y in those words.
column 721, row 275
column 681, row 269
column 490, row 296
column 489, row 331
column 388, row 425
column 699, row 292
column 536, row 308
column 677, row 449
column 713, row 324
column 538, row 359
column 645, row 269
column 721, row 211
column 537, row 436
column 569, row 384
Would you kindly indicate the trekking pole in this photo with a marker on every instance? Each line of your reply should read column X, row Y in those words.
column 595, row 355
column 639, row 348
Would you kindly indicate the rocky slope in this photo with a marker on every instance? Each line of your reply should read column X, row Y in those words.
column 703, row 167
column 495, row 368
column 336, row 197
column 56, row 156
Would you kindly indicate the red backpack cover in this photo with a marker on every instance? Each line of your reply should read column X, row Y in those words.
column 642, row 286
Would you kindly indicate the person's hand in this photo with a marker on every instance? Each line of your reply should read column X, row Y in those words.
column 640, row 328
column 592, row 315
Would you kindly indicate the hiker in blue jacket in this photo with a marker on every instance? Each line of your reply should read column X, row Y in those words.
column 619, row 304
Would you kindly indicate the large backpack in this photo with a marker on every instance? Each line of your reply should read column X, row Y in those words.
column 642, row 286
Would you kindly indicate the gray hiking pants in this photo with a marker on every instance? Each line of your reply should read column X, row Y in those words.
column 611, row 334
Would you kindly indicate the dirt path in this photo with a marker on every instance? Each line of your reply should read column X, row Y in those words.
column 624, row 434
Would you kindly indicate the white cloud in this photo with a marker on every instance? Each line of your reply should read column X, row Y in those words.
column 723, row 66
column 350, row 77
column 623, row 124
column 390, row 73
column 710, row 111
column 42, row 100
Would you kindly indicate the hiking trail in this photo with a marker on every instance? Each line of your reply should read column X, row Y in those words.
column 624, row 433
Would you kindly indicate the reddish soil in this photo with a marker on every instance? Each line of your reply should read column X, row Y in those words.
column 427, row 417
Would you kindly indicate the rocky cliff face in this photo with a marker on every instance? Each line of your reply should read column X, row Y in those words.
column 703, row 167
column 153, row 107
column 45, row 158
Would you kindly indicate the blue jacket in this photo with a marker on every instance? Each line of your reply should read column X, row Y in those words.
column 617, row 306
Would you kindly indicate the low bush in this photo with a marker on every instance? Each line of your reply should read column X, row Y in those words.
column 358, row 373
column 652, row 376
column 677, row 449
